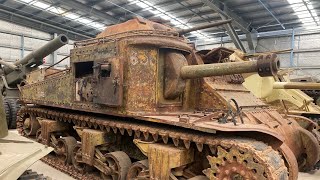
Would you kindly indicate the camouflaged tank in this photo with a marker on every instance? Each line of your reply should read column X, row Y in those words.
column 140, row 102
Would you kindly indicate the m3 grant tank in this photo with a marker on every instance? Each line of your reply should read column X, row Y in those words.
column 140, row 102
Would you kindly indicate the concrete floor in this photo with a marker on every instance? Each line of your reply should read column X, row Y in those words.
column 46, row 170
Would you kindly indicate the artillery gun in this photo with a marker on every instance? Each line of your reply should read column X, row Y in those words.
column 314, row 93
column 140, row 102
column 13, row 74
column 288, row 97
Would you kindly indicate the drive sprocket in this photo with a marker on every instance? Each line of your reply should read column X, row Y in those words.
column 246, row 160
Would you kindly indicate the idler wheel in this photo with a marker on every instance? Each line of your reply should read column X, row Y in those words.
column 119, row 163
column 64, row 147
column 138, row 170
column 31, row 125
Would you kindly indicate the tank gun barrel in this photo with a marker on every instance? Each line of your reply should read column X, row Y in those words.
column 265, row 67
column 219, row 23
column 296, row 85
column 35, row 58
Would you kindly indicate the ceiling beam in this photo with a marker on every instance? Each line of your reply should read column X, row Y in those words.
column 272, row 14
column 226, row 13
column 41, row 25
column 222, row 9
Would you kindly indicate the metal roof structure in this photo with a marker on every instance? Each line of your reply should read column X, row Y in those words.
column 81, row 19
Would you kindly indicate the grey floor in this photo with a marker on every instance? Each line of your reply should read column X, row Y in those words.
column 46, row 170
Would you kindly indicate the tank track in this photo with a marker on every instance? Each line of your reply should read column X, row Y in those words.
column 315, row 94
column 312, row 93
column 51, row 160
column 31, row 175
column 7, row 111
column 159, row 133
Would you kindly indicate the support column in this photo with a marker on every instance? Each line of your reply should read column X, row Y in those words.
column 292, row 49
column 55, row 53
column 22, row 46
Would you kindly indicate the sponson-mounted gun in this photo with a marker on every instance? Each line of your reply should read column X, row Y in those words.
column 12, row 74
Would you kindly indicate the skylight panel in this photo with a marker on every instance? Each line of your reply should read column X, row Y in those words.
column 175, row 22
column 41, row 5
column 26, row 1
column 84, row 20
column 159, row 12
column 60, row 11
column 154, row 11
column 97, row 25
column 72, row 15
column 305, row 11
column 142, row 4
column 56, row 10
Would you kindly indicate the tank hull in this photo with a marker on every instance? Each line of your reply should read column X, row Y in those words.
column 124, row 99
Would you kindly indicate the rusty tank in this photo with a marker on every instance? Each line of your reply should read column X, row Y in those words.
column 140, row 102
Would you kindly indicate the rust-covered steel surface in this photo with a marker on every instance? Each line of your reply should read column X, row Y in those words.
column 130, row 84
column 296, row 85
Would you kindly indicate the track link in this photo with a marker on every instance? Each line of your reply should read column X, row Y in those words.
column 158, row 132
column 31, row 175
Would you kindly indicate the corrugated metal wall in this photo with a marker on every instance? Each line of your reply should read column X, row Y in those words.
column 306, row 56
column 17, row 41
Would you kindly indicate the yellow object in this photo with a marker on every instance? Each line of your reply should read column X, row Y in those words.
column 290, row 101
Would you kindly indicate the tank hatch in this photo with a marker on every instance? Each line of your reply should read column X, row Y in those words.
column 134, row 25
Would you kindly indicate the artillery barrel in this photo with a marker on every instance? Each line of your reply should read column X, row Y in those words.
column 296, row 85
column 219, row 23
column 265, row 67
column 38, row 55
